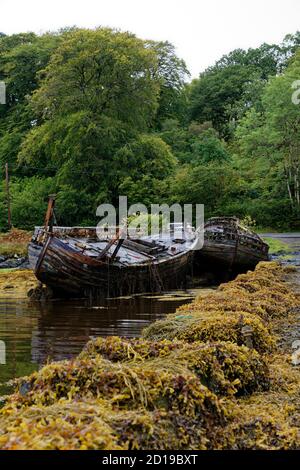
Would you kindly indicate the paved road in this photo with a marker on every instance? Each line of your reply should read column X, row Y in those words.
column 285, row 235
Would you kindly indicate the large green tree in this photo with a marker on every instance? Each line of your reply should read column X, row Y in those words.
column 271, row 138
column 97, row 97
column 172, row 74
column 102, row 71
column 22, row 56
column 143, row 167
column 225, row 92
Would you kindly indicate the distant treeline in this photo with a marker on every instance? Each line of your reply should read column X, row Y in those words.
column 94, row 114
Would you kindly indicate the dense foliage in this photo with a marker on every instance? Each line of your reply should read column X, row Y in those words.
column 94, row 114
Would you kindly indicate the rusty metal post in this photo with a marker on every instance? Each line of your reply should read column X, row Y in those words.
column 48, row 224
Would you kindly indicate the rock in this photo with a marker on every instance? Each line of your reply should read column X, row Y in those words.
column 40, row 293
column 296, row 354
column 11, row 263
column 24, row 388
column 296, row 358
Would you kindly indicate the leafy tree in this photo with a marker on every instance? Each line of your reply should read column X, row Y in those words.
column 213, row 96
column 157, row 192
column 172, row 74
column 268, row 59
column 21, row 58
column 203, row 184
column 272, row 138
column 81, row 146
column 226, row 91
column 28, row 201
column 146, row 162
column 209, row 148
column 103, row 72
column 20, row 64
column 199, row 143
column 92, row 114
column 290, row 45
column 146, row 155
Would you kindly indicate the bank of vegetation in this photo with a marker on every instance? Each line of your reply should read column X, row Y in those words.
column 214, row 375
column 14, row 243
column 92, row 114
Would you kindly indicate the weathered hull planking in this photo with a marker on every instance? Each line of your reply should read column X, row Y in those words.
column 68, row 271
column 228, row 245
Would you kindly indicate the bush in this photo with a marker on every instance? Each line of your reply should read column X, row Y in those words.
column 29, row 200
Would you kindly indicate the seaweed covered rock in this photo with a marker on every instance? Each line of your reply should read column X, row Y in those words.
column 252, row 300
column 175, row 381
column 238, row 327
column 123, row 386
column 92, row 425
column 162, row 430
column 63, row 426
column 17, row 283
column 266, row 290
column 258, row 427
column 265, row 303
column 267, row 420
column 225, row 368
column 241, row 328
column 115, row 348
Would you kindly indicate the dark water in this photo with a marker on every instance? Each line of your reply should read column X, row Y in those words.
column 35, row 332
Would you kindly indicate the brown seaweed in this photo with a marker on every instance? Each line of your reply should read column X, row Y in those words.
column 195, row 381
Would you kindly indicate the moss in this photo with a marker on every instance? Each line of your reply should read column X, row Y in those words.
column 276, row 247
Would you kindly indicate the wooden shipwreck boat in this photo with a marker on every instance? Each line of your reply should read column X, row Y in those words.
column 75, row 262
column 230, row 246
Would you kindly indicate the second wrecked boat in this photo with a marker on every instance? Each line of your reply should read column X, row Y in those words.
column 230, row 245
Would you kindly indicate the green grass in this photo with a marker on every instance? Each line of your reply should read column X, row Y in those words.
column 263, row 230
column 13, row 248
column 14, row 242
column 276, row 246
column 7, row 270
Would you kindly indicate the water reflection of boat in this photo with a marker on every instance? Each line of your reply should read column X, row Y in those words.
column 229, row 245
column 75, row 262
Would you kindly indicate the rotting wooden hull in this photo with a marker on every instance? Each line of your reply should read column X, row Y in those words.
column 229, row 246
column 226, row 255
column 65, row 270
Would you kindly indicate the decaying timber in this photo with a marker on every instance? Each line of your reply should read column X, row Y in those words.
column 229, row 245
column 75, row 262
